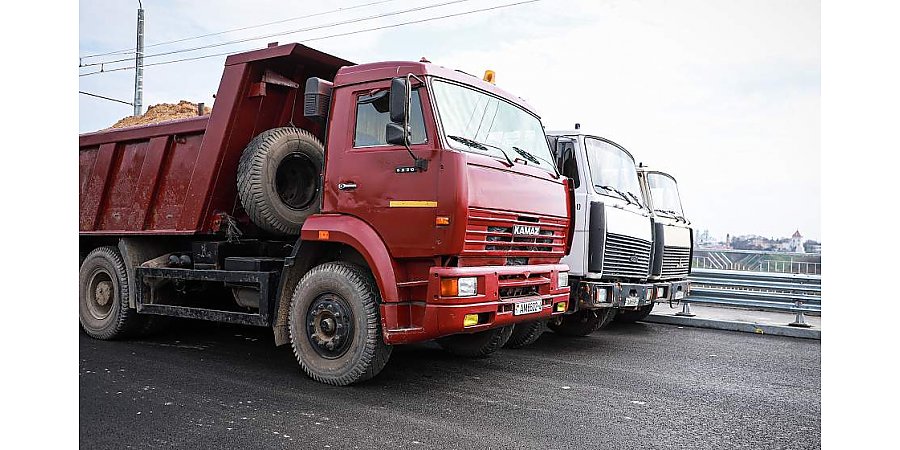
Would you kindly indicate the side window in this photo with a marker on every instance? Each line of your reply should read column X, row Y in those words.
column 568, row 165
column 373, row 115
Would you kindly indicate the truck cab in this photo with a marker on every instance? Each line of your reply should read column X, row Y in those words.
column 673, row 236
column 612, row 245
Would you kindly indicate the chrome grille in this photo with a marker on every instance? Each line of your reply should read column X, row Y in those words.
column 676, row 262
column 625, row 256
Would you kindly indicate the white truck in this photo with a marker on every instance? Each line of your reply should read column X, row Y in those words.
column 673, row 238
column 610, row 259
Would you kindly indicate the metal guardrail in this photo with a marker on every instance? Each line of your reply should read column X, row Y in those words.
column 758, row 290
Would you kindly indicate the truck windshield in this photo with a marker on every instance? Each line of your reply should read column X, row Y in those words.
column 664, row 192
column 477, row 122
column 612, row 170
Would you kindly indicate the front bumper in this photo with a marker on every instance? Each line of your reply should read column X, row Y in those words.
column 499, row 289
column 594, row 295
column 671, row 291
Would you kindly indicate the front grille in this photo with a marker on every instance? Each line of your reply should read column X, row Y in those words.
column 676, row 262
column 519, row 291
column 626, row 256
column 490, row 233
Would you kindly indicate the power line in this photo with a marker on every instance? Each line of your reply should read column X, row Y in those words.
column 282, row 33
column 464, row 13
column 106, row 98
column 130, row 51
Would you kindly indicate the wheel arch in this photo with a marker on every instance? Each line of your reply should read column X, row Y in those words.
column 326, row 238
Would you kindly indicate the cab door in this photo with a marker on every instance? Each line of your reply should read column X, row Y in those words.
column 570, row 166
column 375, row 181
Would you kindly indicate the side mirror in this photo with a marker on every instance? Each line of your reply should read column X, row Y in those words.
column 399, row 100
column 395, row 134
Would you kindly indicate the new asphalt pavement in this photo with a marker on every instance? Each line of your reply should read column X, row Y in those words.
column 645, row 385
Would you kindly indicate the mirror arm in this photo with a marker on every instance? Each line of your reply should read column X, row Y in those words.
column 421, row 164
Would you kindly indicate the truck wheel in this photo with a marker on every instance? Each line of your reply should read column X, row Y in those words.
column 631, row 316
column 278, row 179
column 335, row 327
column 103, row 296
column 583, row 322
column 525, row 334
column 476, row 345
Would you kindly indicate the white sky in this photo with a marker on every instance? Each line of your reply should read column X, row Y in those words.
column 724, row 94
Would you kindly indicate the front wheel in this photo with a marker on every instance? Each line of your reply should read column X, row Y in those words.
column 476, row 345
column 335, row 328
column 633, row 315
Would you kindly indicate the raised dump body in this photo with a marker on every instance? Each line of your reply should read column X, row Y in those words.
column 433, row 212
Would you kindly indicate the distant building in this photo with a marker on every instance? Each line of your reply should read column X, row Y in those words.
column 796, row 243
column 812, row 246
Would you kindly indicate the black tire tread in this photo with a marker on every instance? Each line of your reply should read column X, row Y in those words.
column 127, row 321
column 251, row 185
column 525, row 334
column 634, row 315
column 376, row 353
column 469, row 346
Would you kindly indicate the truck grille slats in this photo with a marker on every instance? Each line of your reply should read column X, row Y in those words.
column 676, row 262
column 625, row 256
column 490, row 233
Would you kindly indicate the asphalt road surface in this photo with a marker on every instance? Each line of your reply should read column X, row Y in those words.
column 206, row 385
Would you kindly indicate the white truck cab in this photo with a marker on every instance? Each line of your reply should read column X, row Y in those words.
column 612, row 245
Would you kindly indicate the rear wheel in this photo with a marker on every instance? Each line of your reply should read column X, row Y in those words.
column 103, row 296
column 582, row 323
column 476, row 345
column 335, row 327
column 633, row 315
column 525, row 334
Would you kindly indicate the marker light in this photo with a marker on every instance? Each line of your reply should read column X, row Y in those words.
column 489, row 76
column 660, row 292
column 470, row 319
column 563, row 280
column 561, row 306
column 442, row 220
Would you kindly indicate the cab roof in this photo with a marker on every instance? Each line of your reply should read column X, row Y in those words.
column 361, row 73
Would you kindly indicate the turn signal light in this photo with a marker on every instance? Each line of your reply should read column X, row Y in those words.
column 470, row 319
column 561, row 306
column 442, row 220
column 449, row 287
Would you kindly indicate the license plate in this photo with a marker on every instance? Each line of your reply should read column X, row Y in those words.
column 632, row 301
column 679, row 295
column 529, row 307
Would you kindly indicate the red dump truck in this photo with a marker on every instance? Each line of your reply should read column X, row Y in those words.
column 432, row 211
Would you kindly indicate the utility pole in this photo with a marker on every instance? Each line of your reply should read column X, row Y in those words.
column 139, row 62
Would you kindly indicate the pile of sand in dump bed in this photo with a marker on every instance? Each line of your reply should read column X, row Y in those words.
column 161, row 113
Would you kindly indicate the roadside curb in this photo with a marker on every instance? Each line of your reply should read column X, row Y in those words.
column 744, row 327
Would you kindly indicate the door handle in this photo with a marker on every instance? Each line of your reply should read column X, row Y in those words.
column 348, row 186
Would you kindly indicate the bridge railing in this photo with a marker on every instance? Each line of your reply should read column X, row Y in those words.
column 757, row 290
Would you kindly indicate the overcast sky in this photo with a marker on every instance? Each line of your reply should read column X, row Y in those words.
column 724, row 94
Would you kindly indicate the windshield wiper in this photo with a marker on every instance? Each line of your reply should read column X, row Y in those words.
column 536, row 159
column 674, row 214
column 481, row 146
column 637, row 201
column 612, row 189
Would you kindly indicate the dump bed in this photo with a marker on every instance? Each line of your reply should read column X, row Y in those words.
column 179, row 177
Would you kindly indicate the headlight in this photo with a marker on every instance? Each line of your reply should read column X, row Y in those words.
column 600, row 295
column 660, row 292
column 649, row 294
column 563, row 280
column 468, row 286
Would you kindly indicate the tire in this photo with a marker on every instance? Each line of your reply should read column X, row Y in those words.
column 476, row 345
column 525, row 334
column 278, row 179
column 633, row 315
column 337, row 303
column 582, row 323
column 103, row 296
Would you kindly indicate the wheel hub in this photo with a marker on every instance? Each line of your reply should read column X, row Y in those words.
column 100, row 295
column 329, row 325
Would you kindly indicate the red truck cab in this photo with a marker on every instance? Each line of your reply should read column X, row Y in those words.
column 432, row 211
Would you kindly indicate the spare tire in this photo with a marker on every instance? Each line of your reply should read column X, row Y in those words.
column 278, row 179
